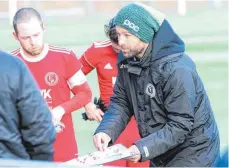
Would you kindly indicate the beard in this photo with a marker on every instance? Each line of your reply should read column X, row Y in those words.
column 133, row 53
column 34, row 51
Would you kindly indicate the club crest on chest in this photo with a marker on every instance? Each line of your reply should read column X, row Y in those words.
column 150, row 90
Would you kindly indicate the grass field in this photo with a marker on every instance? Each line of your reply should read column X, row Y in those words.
column 77, row 31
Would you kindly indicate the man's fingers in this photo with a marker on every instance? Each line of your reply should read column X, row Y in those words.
column 101, row 113
column 101, row 141
column 105, row 144
column 99, row 118
column 136, row 154
column 91, row 117
column 106, row 140
column 97, row 141
column 97, row 115
column 132, row 159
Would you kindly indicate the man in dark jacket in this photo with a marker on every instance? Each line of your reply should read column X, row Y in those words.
column 26, row 129
column 159, row 85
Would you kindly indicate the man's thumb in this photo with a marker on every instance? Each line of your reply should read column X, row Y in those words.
column 105, row 143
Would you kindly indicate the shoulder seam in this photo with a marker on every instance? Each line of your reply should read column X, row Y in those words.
column 88, row 61
column 60, row 51
column 59, row 48
column 15, row 52
column 102, row 44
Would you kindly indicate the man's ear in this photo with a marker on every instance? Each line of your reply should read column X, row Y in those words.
column 15, row 35
column 44, row 27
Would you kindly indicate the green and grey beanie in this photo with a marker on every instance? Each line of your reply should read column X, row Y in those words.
column 140, row 20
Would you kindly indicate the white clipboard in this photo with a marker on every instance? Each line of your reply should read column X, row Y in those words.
column 112, row 153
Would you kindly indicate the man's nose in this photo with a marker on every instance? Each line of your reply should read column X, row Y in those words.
column 32, row 40
column 121, row 41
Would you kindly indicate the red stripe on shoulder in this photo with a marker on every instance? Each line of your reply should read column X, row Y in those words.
column 15, row 52
column 105, row 42
column 59, row 48
column 59, row 51
column 102, row 44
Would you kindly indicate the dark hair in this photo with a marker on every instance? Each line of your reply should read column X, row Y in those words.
column 25, row 14
column 110, row 31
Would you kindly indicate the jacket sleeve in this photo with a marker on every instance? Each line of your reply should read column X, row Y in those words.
column 118, row 114
column 179, row 102
column 38, row 133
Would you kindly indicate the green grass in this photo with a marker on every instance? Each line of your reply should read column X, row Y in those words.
column 207, row 47
column 61, row 31
column 84, row 130
column 201, row 22
column 214, row 77
column 75, row 30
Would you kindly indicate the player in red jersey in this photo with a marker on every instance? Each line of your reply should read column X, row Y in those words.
column 57, row 72
column 103, row 57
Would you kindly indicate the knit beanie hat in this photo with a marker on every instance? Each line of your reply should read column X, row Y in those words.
column 140, row 20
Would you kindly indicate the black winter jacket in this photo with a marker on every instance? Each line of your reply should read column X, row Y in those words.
column 167, row 97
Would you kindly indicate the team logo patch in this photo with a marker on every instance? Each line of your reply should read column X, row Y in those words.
column 150, row 90
column 108, row 66
column 51, row 78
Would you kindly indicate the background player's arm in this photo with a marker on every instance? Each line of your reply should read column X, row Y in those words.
column 79, row 87
column 81, row 90
column 82, row 98
column 78, row 84
column 87, row 67
column 90, row 60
